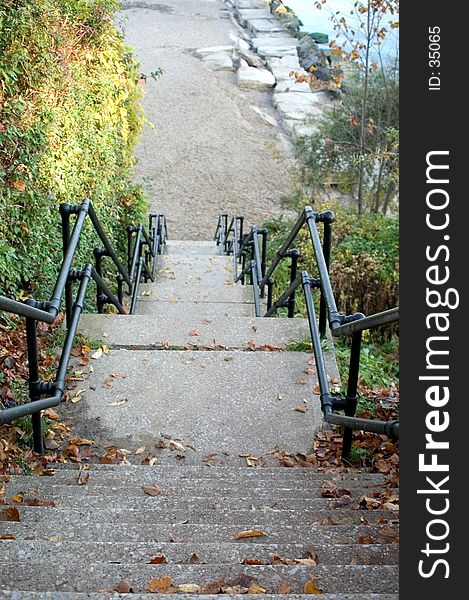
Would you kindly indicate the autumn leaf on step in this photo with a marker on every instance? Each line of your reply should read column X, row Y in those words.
column 311, row 588
column 252, row 561
column 158, row 560
column 83, row 477
column 365, row 539
column 389, row 536
column 194, row 332
column 255, row 588
column 160, row 586
column 81, row 442
column 189, row 588
column 317, row 390
column 118, row 375
column 367, row 502
column 284, row 588
column 194, row 559
column 117, row 402
column 152, row 490
column 8, row 536
column 140, row 450
column 123, row 587
column 210, row 587
column 302, row 408
column 97, row 355
column 249, row 533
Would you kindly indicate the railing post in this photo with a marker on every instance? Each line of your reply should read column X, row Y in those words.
column 243, row 266
column 120, row 289
column 352, row 386
column 68, row 295
column 270, row 291
column 264, row 233
column 241, row 228
column 130, row 231
column 327, row 217
column 34, row 393
column 294, row 254
column 100, row 298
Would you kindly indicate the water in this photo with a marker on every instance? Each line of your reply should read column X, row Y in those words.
column 320, row 20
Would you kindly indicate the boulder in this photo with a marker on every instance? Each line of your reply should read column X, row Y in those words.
column 219, row 61
column 213, row 50
column 251, row 58
column 290, row 85
column 249, row 77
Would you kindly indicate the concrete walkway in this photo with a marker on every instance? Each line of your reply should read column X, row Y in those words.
column 211, row 151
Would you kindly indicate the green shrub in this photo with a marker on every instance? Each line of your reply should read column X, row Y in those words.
column 70, row 115
column 364, row 261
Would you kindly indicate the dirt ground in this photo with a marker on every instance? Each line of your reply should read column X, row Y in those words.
column 207, row 150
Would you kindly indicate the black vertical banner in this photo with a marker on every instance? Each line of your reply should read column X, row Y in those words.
column 434, row 328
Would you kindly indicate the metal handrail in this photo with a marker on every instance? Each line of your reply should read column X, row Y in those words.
column 340, row 325
column 47, row 311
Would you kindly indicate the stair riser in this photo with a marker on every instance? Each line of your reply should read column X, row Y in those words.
column 92, row 577
column 207, row 554
column 131, row 532
column 152, row 513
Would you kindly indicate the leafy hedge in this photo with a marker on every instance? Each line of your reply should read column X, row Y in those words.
column 70, row 115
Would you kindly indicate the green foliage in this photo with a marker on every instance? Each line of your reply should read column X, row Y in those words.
column 334, row 154
column 69, row 119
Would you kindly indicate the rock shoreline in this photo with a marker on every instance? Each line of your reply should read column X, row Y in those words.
column 266, row 55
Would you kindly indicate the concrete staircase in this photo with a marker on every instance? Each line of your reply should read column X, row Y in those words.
column 196, row 367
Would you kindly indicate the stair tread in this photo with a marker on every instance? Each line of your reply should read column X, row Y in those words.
column 76, row 575
column 195, row 401
column 230, row 332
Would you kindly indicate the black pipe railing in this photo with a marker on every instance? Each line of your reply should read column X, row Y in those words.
column 340, row 325
column 47, row 311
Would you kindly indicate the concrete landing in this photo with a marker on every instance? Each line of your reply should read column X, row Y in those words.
column 238, row 402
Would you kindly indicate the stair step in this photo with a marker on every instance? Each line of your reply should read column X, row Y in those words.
column 203, row 310
column 229, row 490
column 192, row 247
column 138, row 331
column 90, row 510
column 221, row 265
column 31, row 595
column 236, row 402
column 198, row 533
column 76, row 575
column 211, row 553
column 67, row 472
column 167, row 291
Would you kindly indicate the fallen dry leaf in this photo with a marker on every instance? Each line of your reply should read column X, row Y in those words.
column 365, row 539
column 118, row 402
column 158, row 560
column 311, row 588
column 152, row 490
column 159, row 586
column 83, row 477
column 8, row 536
column 118, row 375
column 77, row 396
column 140, row 450
column 194, row 332
column 250, row 533
column 194, row 559
column 302, row 408
column 55, row 538
column 252, row 561
column 284, row 588
column 10, row 514
column 389, row 536
column 189, row 588
column 255, row 588
column 210, row 587
column 97, row 355
column 123, row 587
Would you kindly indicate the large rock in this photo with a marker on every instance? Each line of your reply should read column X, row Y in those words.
column 219, row 61
column 264, row 26
column 213, row 50
column 242, row 15
column 290, row 85
column 251, row 58
column 249, row 77
column 296, row 106
column 286, row 62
